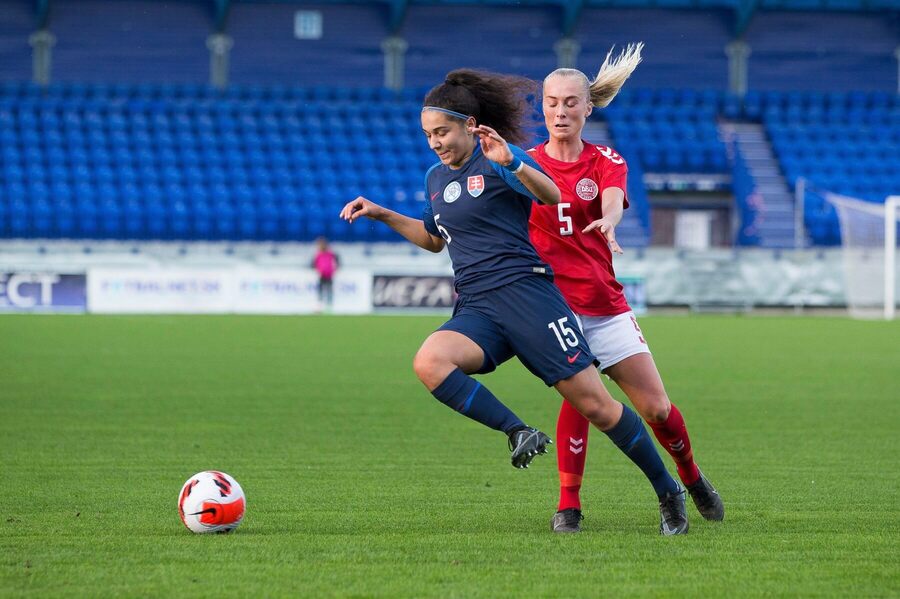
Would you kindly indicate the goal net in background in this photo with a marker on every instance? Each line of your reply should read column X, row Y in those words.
column 869, row 242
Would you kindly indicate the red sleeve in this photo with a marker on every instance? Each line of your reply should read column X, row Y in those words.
column 614, row 172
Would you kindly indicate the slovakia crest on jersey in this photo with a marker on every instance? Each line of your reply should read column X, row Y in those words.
column 475, row 185
column 452, row 192
column 587, row 189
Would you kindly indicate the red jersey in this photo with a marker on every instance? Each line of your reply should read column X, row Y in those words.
column 582, row 263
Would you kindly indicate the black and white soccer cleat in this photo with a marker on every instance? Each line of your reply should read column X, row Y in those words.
column 567, row 521
column 673, row 514
column 707, row 499
column 525, row 444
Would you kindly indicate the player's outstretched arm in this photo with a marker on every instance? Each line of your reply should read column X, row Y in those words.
column 613, row 205
column 412, row 229
column 540, row 185
column 497, row 150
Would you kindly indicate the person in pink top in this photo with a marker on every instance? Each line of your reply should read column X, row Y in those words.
column 326, row 264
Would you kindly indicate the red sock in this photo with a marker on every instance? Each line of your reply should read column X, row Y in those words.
column 672, row 434
column 572, row 436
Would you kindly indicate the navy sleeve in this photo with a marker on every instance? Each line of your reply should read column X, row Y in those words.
column 428, row 219
column 511, row 179
column 428, row 213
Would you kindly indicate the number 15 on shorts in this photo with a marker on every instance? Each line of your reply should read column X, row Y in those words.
column 564, row 333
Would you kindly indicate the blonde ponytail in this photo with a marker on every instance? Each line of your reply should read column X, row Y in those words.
column 612, row 75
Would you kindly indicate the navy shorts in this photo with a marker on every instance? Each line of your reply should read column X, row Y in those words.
column 527, row 318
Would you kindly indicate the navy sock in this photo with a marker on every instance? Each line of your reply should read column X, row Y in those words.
column 632, row 438
column 470, row 398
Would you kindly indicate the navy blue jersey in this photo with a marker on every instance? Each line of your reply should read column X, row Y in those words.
column 481, row 210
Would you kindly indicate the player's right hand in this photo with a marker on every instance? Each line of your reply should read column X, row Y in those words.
column 608, row 230
column 493, row 146
column 361, row 207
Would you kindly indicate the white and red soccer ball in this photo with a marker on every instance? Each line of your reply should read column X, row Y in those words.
column 211, row 501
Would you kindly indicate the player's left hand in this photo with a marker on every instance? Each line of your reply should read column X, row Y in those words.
column 493, row 146
column 608, row 230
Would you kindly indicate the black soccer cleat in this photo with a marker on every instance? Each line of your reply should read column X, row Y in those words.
column 526, row 443
column 673, row 514
column 707, row 499
column 567, row 521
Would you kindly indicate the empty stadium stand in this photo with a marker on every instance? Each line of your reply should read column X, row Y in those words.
column 129, row 142
column 179, row 162
column 188, row 162
column 844, row 143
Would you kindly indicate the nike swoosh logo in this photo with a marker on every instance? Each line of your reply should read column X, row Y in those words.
column 572, row 359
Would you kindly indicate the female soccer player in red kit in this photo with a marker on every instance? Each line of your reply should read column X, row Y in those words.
column 577, row 238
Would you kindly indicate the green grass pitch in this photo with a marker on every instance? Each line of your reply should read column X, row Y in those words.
column 360, row 484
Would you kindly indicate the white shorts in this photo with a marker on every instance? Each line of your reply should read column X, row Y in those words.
column 613, row 338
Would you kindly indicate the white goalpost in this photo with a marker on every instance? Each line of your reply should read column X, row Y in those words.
column 890, row 257
column 869, row 244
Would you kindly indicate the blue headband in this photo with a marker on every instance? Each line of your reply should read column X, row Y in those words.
column 458, row 115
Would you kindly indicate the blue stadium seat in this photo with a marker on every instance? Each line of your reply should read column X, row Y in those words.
column 178, row 217
column 184, row 161
column 224, row 221
column 818, row 141
column 134, row 220
column 86, row 218
column 110, row 217
column 201, row 220
column 19, row 218
column 157, row 226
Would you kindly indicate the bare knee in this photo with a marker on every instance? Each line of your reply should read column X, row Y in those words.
column 442, row 353
column 430, row 368
column 602, row 412
column 595, row 413
column 654, row 408
column 586, row 393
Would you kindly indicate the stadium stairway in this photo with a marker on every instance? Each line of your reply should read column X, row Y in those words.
column 774, row 218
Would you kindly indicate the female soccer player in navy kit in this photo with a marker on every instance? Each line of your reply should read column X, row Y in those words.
column 577, row 238
column 481, row 194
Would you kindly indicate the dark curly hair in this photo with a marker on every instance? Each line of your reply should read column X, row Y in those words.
column 498, row 101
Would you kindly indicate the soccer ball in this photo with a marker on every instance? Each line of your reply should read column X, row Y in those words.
column 211, row 501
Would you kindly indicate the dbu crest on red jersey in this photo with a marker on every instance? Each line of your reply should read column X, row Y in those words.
column 475, row 185
column 587, row 189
